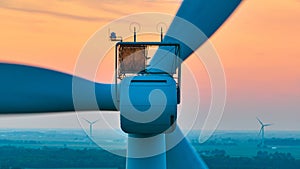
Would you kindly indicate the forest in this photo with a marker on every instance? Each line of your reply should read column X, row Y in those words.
column 12, row 157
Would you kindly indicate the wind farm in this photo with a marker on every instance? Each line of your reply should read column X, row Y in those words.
column 118, row 84
column 146, row 95
column 223, row 147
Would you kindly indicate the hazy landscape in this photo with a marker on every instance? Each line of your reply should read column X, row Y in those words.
column 70, row 148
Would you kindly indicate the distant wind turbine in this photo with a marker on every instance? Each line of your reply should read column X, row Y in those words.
column 262, row 131
column 91, row 123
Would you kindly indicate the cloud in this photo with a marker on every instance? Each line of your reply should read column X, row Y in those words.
column 57, row 14
column 93, row 10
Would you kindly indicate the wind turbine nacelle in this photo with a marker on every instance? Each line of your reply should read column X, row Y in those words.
column 148, row 104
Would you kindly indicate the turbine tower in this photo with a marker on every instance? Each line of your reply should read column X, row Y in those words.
column 91, row 123
column 262, row 131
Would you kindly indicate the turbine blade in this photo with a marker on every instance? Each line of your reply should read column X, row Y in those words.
column 27, row 89
column 210, row 15
column 87, row 121
column 95, row 121
column 268, row 124
column 183, row 155
column 259, row 121
column 195, row 22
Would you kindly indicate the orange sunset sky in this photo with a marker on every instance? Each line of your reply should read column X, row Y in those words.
column 258, row 46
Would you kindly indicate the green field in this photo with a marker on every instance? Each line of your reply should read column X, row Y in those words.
column 244, row 144
column 248, row 150
column 234, row 143
column 71, row 168
column 58, row 148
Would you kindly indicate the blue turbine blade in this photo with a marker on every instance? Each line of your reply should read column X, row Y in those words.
column 27, row 89
column 206, row 15
column 195, row 22
column 183, row 155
